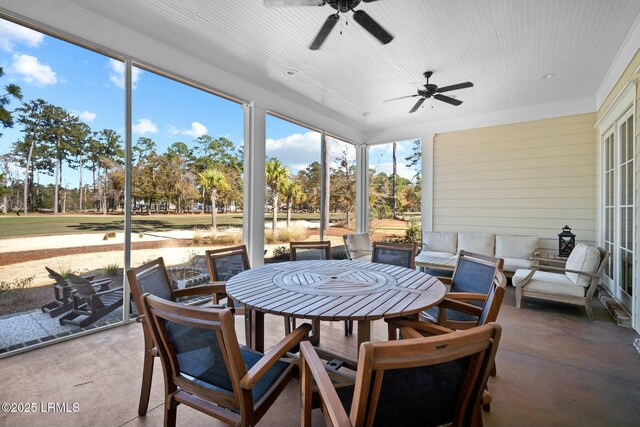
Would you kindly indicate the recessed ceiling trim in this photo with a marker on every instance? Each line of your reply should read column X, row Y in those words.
column 494, row 118
column 624, row 56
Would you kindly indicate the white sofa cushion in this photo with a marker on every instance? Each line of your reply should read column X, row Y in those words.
column 359, row 246
column 522, row 247
column 550, row 283
column 479, row 243
column 513, row 264
column 437, row 241
column 426, row 253
column 583, row 258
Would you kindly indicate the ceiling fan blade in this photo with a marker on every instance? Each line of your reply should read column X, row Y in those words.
column 280, row 3
column 368, row 1
column 367, row 22
column 418, row 104
column 400, row 97
column 447, row 99
column 454, row 87
column 328, row 25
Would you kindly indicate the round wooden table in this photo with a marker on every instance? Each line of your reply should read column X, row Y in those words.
column 332, row 290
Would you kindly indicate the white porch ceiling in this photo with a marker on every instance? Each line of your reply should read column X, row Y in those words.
column 503, row 46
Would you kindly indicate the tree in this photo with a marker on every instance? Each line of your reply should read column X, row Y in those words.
column 32, row 119
column 216, row 182
column 111, row 155
column 343, row 185
column 292, row 192
column 12, row 91
column 142, row 148
column 275, row 175
column 415, row 159
column 82, row 137
column 310, row 180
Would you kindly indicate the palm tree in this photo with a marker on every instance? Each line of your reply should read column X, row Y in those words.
column 275, row 176
column 215, row 180
column 292, row 192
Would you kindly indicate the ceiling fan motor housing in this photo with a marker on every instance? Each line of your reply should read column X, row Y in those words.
column 343, row 6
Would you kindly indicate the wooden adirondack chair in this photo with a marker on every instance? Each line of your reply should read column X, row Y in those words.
column 90, row 305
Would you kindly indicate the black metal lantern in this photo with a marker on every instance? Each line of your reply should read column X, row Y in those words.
column 566, row 241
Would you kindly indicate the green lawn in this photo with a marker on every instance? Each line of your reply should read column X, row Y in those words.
column 39, row 225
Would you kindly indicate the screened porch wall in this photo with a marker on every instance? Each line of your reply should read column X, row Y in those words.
column 528, row 178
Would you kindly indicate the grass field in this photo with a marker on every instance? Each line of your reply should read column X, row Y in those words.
column 41, row 225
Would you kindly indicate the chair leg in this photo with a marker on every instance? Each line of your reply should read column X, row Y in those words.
column 589, row 309
column 393, row 332
column 486, row 400
column 348, row 327
column 518, row 296
column 494, row 370
column 147, row 376
column 170, row 412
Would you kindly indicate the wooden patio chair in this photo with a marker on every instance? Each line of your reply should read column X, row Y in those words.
column 571, row 281
column 310, row 251
column 460, row 303
column 401, row 254
column 471, row 282
column 414, row 382
column 207, row 369
column 63, row 290
column 90, row 305
column 152, row 278
column 357, row 246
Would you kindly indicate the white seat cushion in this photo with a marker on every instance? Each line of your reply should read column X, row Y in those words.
column 359, row 246
column 437, row 241
column 550, row 283
column 426, row 253
column 583, row 258
column 479, row 243
column 513, row 264
column 522, row 247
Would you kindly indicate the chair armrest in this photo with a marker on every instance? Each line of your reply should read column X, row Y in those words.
column 109, row 291
column 211, row 288
column 409, row 333
column 566, row 270
column 428, row 328
column 89, row 277
column 466, row 296
column 460, row 306
column 551, row 260
column 273, row 355
column 445, row 280
column 330, row 400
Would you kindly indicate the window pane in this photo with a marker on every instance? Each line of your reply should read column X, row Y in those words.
column 395, row 191
column 293, row 186
column 71, row 222
column 187, row 175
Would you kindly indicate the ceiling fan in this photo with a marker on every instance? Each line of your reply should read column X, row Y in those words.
column 431, row 90
column 341, row 6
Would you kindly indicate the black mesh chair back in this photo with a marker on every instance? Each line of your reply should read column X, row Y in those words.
column 474, row 274
column 151, row 278
column 394, row 254
column 225, row 263
column 420, row 382
column 310, row 251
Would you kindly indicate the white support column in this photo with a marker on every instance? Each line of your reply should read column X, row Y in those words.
column 127, row 188
column 427, row 183
column 254, row 182
column 362, row 189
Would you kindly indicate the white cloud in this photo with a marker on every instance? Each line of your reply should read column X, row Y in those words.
column 295, row 151
column 87, row 116
column 197, row 129
column 117, row 74
column 32, row 71
column 12, row 34
column 144, row 126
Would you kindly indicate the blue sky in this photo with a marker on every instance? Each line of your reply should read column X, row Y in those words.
column 90, row 85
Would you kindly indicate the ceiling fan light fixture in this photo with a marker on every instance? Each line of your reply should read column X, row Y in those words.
column 366, row 114
column 291, row 72
column 548, row 76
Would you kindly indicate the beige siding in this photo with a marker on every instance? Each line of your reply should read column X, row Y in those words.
column 620, row 85
column 527, row 178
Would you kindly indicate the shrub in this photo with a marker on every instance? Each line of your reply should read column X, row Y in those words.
column 339, row 255
column 284, row 236
column 17, row 289
column 112, row 269
column 281, row 253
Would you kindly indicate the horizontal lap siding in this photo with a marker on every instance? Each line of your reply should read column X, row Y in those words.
column 527, row 178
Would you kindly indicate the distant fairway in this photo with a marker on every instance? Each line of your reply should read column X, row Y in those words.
column 42, row 225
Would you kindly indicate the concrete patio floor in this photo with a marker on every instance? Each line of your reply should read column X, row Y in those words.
column 555, row 368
